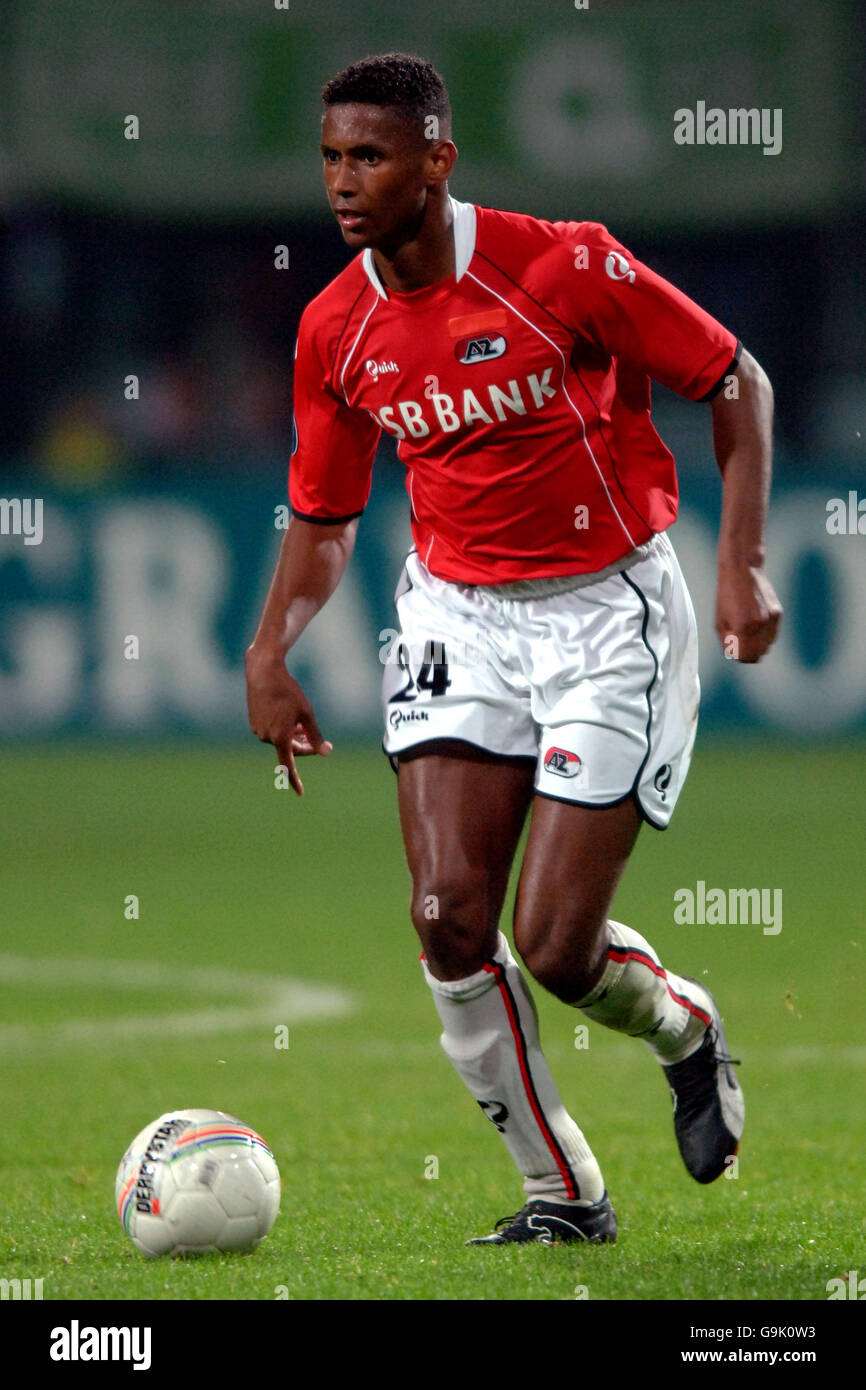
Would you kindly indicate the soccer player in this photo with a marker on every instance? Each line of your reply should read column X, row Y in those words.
column 547, row 655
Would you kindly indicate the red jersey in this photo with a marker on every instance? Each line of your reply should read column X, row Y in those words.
column 519, row 392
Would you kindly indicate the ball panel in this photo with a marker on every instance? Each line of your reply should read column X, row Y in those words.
column 239, row 1188
column 270, row 1208
column 239, row 1233
column 195, row 1220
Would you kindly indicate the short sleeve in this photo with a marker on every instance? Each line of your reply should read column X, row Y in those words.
column 333, row 446
column 642, row 319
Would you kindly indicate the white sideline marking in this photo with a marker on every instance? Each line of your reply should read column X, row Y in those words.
column 277, row 1000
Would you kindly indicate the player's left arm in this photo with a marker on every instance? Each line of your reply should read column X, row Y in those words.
column 747, row 609
column 643, row 320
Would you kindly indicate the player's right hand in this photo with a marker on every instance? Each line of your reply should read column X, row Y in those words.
column 281, row 714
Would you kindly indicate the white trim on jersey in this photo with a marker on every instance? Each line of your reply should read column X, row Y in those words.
column 632, row 542
column 464, row 236
column 370, row 271
column 351, row 350
column 463, row 227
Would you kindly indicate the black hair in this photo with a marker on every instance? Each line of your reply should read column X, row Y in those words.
column 401, row 80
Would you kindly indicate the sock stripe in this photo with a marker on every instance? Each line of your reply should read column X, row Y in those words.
column 549, row 1137
column 623, row 956
column 687, row 1004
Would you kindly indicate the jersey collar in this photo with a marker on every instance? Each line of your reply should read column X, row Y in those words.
column 463, row 227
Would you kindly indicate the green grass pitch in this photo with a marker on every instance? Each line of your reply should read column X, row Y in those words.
column 239, row 878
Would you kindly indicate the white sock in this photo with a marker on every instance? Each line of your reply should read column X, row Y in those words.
column 491, row 1036
column 636, row 995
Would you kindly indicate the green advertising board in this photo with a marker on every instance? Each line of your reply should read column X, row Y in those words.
column 130, row 610
column 565, row 110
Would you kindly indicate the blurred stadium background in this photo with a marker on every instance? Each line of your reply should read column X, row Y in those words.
column 155, row 258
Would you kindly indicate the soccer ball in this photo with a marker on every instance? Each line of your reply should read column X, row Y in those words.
column 194, row 1181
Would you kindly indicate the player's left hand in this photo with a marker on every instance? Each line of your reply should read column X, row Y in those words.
column 748, row 612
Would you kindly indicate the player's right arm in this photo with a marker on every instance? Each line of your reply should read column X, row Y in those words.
column 329, row 483
column 312, row 561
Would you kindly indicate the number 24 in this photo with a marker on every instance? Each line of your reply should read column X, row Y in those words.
column 432, row 676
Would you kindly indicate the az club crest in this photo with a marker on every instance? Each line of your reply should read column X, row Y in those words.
column 561, row 762
column 481, row 349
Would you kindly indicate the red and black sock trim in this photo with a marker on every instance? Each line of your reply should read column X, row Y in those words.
column 512, row 1013
column 622, row 955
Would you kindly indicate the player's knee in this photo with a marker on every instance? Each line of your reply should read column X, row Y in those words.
column 569, row 980
column 454, row 922
column 568, row 961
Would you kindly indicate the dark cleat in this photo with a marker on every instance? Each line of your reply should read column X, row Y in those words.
column 548, row 1222
column 709, row 1110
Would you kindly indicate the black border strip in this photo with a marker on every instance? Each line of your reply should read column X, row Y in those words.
column 631, row 794
column 326, row 520
column 590, row 805
column 714, row 390
column 636, row 784
column 454, row 738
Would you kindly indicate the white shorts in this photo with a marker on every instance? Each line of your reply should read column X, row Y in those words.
column 598, row 684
